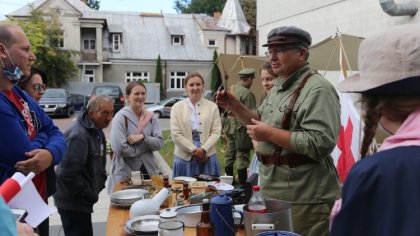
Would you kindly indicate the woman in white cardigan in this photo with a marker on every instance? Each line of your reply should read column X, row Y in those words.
column 195, row 129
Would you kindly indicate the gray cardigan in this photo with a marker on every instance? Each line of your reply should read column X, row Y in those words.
column 131, row 157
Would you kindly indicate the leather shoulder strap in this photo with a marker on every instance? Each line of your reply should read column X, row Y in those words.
column 285, row 123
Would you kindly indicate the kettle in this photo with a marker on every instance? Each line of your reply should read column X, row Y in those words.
column 221, row 215
column 149, row 206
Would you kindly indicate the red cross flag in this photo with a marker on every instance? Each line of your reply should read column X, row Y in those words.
column 348, row 145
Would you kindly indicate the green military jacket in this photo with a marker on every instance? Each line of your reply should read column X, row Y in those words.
column 247, row 98
column 315, row 125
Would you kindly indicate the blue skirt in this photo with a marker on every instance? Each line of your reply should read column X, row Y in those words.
column 192, row 167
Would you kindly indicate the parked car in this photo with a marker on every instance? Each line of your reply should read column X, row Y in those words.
column 57, row 101
column 163, row 108
column 113, row 91
column 79, row 101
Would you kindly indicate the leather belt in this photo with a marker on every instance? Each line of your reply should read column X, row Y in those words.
column 290, row 159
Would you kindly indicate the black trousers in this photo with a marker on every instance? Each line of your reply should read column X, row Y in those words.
column 76, row 223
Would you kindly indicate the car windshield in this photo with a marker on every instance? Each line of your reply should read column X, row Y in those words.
column 107, row 90
column 54, row 93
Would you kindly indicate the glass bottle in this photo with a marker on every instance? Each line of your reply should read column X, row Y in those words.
column 186, row 190
column 168, row 201
column 204, row 226
column 256, row 203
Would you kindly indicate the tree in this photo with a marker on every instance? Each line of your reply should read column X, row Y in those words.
column 94, row 4
column 210, row 6
column 249, row 7
column 45, row 36
column 214, row 73
column 159, row 76
column 199, row 6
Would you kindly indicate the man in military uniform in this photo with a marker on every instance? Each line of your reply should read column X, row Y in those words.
column 296, row 127
column 239, row 143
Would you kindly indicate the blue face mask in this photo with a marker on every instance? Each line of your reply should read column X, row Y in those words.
column 14, row 74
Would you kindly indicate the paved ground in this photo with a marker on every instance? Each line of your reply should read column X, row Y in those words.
column 100, row 214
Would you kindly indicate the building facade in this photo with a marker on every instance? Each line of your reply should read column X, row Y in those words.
column 322, row 18
column 124, row 46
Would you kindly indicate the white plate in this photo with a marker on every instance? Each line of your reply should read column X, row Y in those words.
column 221, row 186
column 185, row 178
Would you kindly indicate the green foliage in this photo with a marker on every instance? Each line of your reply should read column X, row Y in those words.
column 45, row 36
column 94, row 4
column 199, row 6
column 159, row 76
column 210, row 6
column 249, row 7
column 214, row 72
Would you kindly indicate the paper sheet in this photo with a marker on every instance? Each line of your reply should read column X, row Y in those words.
column 29, row 199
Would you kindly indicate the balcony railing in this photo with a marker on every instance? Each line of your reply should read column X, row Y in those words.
column 88, row 55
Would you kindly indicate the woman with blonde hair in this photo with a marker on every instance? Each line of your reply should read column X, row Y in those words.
column 195, row 129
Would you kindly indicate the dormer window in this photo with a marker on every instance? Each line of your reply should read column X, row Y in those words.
column 177, row 40
column 116, row 42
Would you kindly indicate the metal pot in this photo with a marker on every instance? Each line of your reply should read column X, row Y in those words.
column 190, row 214
column 278, row 217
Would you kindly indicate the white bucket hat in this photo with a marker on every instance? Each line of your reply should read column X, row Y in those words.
column 389, row 62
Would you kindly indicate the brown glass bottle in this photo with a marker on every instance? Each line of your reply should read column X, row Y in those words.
column 204, row 226
column 186, row 191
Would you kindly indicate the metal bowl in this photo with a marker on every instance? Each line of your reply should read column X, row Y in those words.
column 190, row 214
column 143, row 225
column 128, row 196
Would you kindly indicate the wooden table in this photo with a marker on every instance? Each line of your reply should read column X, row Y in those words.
column 117, row 217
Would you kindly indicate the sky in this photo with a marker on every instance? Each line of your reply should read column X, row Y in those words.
column 154, row 6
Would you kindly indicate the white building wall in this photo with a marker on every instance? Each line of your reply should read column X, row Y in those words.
column 321, row 18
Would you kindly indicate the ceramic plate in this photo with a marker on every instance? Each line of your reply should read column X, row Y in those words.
column 185, row 178
column 220, row 186
column 128, row 196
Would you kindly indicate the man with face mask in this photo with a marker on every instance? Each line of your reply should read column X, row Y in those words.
column 29, row 141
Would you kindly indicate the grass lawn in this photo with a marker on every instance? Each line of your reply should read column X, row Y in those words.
column 167, row 151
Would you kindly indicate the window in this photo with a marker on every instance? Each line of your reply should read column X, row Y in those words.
column 212, row 43
column 116, row 42
column 60, row 40
column 177, row 40
column 136, row 76
column 89, row 76
column 177, row 80
column 89, row 44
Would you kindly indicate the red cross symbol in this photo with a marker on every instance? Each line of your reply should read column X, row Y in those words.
column 346, row 159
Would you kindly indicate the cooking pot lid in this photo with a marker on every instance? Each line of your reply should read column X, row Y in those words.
column 221, row 199
column 168, row 214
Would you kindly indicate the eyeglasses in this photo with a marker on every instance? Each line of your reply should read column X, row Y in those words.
column 276, row 51
column 38, row 87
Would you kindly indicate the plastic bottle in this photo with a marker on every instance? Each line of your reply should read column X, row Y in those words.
column 204, row 226
column 256, row 203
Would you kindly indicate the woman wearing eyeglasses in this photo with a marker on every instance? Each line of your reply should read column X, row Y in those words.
column 35, row 85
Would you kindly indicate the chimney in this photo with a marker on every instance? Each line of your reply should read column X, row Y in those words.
column 216, row 15
column 85, row 1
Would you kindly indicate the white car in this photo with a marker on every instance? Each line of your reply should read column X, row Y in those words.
column 163, row 108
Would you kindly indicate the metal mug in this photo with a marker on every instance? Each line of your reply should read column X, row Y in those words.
column 171, row 228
